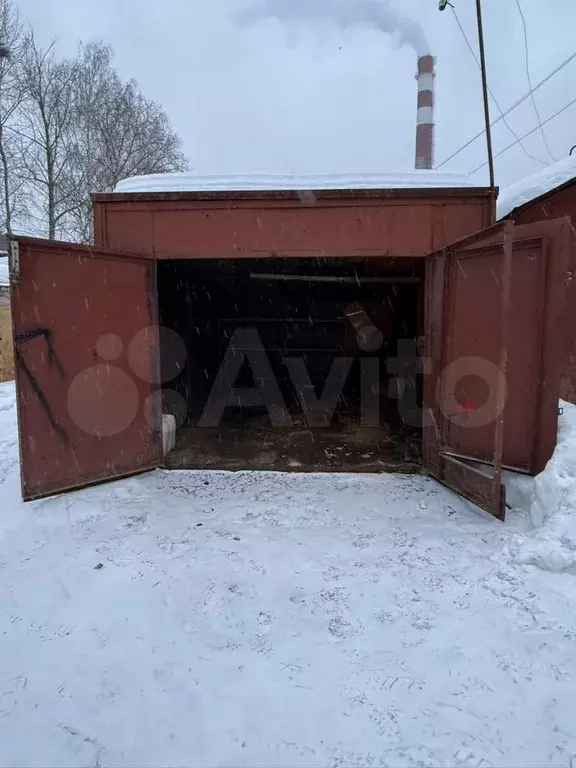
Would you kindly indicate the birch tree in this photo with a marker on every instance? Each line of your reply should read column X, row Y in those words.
column 118, row 133
column 12, row 51
column 47, row 115
column 69, row 128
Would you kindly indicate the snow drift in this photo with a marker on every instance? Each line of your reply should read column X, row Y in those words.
column 190, row 182
column 550, row 500
column 536, row 185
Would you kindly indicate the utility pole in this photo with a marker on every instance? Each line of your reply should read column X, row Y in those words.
column 485, row 92
column 442, row 5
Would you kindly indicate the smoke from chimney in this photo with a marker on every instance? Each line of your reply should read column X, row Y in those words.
column 377, row 14
column 344, row 13
column 425, row 115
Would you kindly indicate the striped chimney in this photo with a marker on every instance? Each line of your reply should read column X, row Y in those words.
column 425, row 120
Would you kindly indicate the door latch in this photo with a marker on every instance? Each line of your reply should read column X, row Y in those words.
column 14, row 261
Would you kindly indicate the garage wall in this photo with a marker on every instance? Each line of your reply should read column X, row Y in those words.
column 561, row 202
column 332, row 224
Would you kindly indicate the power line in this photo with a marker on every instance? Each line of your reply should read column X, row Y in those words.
column 511, row 108
column 503, row 117
column 527, row 62
column 527, row 134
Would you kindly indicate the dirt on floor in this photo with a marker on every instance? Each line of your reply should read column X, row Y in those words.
column 254, row 444
column 6, row 350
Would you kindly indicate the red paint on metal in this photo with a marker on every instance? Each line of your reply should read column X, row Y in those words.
column 556, row 303
column 83, row 415
column 503, row 348
column 556, row 204
column 471, row 288
column 305, row 224
column 443, row 457
column 551, row 205
column 77, row 309
column 480, row 485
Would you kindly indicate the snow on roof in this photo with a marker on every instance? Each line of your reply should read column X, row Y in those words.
column 536, row 185
column 189, row 182
column 4, row 270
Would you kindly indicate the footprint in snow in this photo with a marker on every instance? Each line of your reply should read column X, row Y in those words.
column 264, row 620
column 341, row 629
column 363, row 540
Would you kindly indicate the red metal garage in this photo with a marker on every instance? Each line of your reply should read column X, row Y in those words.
column 108, row 338
column 549, row 194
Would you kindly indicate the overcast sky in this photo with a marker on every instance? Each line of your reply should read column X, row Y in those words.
column 316, row 96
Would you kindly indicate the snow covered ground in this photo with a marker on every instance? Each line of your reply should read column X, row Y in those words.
column 213, row 619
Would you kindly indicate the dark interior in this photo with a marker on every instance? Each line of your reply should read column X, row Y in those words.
column 265, row 339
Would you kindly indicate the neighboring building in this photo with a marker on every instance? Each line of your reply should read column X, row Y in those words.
column 547, row 194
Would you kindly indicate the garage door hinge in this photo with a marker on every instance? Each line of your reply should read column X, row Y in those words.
column 14, row 261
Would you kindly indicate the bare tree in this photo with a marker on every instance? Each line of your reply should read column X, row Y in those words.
column 117, row 133
column 12, row 51
column 69, row 128
column 91, row 89
column 47, row 115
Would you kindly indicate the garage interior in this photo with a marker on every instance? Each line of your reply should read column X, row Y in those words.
column 331, row 347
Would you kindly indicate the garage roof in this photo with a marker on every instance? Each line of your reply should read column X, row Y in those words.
column 539, row 184
column 190, row 182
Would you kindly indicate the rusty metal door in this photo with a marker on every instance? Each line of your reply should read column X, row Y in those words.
column 495, row 308
column 87, row 372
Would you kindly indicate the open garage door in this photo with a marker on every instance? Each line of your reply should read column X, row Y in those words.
column 85, row 327
column 495, row 309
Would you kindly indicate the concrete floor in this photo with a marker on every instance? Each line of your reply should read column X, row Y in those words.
column 254, row 445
